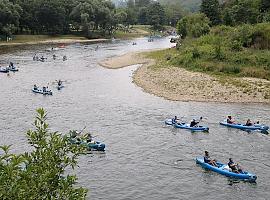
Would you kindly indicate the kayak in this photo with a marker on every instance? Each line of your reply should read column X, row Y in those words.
column 94, row 145
column 194, row 128
column 244, row 127
column 13, row 69
column 225, row 170
column 4, row 70
column 59, row 87
column 169, row 122
column 42, row 92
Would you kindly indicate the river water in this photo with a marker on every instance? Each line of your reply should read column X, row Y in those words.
column 144, row 159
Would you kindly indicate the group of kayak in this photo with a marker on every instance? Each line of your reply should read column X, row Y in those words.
column 75, row 137
column 43, row 59
column 229, row 122
column 11, row 68
column 45, row 90
column 231, row 169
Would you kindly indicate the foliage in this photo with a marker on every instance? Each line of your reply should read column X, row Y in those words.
column 41, row 174
column 211, row 9
column 240, row 51
column 9, row 17
column 194, row 25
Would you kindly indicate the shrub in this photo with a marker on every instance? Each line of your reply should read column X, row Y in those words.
column 41, row 174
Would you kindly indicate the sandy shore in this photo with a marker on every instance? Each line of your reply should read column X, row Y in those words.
column 52, row 41
column 178, row 84
column 124, row 61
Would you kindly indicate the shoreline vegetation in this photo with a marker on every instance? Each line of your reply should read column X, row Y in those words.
column 179, row 84
column 134, row 32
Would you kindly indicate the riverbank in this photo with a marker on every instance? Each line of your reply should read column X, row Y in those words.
column 179, row 84
column 56, row 40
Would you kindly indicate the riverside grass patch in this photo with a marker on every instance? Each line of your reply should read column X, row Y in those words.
column 242, row 51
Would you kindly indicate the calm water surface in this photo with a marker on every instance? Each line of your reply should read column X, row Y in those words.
column 144, row 159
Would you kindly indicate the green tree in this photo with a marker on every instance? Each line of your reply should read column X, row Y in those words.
column 194, row 25
column 211, row 9
column 41, row 173
column 9, row 17
column 228, row 17
column 156, row 15
column 265, row 5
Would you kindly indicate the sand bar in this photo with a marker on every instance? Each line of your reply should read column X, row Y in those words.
column 178, row 84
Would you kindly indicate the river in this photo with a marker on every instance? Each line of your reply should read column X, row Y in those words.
column 144, row 159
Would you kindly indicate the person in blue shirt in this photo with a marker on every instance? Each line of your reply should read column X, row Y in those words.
column 234, row 167
column 208, row 160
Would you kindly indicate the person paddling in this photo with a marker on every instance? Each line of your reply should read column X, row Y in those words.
column 175, row 120
column 59, row 82
column 249, row 123
column 208, row 160
column 230, row 120
column 234, row 167
column 193, row 123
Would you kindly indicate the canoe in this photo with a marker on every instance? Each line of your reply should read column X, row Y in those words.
column 4, row 70
column 94, row 145
column 223, row 170
column 194, row 128
column 244, row 127
column 41, row 92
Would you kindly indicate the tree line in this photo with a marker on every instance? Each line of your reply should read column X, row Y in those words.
column 229, row 13
column 86, row 17
column 56, row 17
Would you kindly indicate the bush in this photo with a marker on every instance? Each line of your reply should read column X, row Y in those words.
column 41, row 174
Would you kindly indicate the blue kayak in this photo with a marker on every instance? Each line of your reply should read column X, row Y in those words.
column 244, row 127
column 223, row 170
column 194, row 128
column 94, row 145
column 48, row 92
column 13, row 69
column 4, row 70
column 169, row 122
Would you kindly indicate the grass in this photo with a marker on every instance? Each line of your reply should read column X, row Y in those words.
column 34, row 38
column 213, row 54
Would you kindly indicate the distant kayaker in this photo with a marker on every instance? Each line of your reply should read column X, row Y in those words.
column 234, row 167
column 89, row 138
column 59, row 82
column 54, row 56
column 208, row 160
column 174, row 120
column 11, row 65
column 230, row 120
column 193, row 123
column 64, row 58
column 249, row 123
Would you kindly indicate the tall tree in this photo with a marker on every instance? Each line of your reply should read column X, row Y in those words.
column 211, row 9
column 156, row 15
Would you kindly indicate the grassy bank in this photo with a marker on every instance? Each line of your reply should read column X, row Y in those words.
column 235, row 56
column 138, row 31
column 40, row 38
column 242, row 51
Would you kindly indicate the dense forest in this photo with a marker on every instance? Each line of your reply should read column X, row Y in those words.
column 85, row 17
